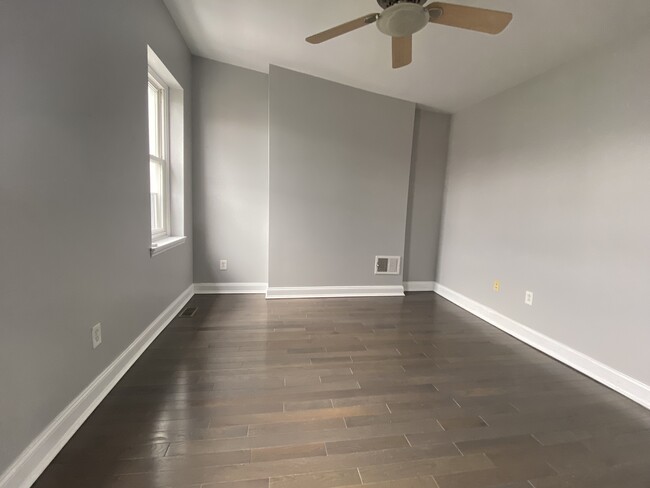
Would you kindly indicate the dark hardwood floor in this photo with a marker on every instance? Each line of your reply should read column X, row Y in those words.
column 389, row 392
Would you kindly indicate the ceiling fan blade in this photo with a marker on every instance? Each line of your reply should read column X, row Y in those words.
column 402, row 51
column 342, row 29
column 472, row 18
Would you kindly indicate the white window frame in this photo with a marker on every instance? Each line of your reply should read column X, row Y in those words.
column 172, row 156
column 163, row 150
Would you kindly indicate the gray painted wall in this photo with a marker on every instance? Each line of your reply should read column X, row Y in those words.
column 547, row 190
column 339, row 175
column 74, row 203
column 426, row 191
column 230, row 154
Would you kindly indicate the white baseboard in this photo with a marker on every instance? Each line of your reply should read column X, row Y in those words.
column 418, row 285
column 229, row 288
column 617, row 381
column 334, row 291
column 29, row 465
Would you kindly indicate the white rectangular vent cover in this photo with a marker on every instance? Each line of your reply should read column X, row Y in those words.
column 387, row 265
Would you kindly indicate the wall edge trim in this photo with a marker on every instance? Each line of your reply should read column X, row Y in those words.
column 334, row 292
column 419, row 285
column 29, row 464
column 627, row 386
column 229, row 288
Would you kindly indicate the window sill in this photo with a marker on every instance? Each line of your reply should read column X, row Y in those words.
column 162, row 245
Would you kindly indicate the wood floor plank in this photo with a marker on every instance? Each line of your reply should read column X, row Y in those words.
column 461, row 423
column 420, row 482
column 371, row 444
column 300, row 426
column 287, row 452
column 327, row 479
column 239, row 484
column 434, row 467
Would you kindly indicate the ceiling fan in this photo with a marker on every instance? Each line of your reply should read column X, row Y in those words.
column 403, row 18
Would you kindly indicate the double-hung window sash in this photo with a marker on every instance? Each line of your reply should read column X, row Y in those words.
column 158, row 157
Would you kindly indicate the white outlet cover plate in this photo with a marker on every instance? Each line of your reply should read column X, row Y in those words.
column 97, row 335
column 223, row 264
column 528, row 300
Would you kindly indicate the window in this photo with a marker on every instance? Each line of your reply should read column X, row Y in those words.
column 158, row 157
column 166, row 148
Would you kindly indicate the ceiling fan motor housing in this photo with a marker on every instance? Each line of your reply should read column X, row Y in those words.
column 389, row 3
column 403, row 19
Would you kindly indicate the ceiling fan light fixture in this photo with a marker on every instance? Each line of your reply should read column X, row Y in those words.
column 403, row 19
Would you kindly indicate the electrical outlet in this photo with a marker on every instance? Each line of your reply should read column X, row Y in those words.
column 97, row 335
column 496, row 286
column 223, row 264
column 529, row 298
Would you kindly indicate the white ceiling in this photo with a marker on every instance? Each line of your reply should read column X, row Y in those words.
column 452, row 68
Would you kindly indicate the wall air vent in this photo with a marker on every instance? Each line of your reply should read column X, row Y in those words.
column 187, row 312
column 387, row 265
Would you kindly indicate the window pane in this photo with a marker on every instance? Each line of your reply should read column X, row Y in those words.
column 154, row 120
column 157, row 200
